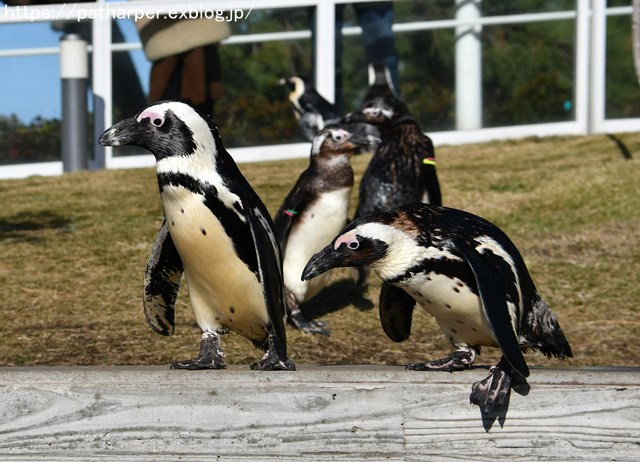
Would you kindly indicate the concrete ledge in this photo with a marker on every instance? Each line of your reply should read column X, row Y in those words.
column 317, row 413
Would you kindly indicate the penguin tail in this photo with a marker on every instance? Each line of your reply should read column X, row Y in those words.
column 543, row 332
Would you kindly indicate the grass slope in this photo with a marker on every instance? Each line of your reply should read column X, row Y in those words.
column 74, row 249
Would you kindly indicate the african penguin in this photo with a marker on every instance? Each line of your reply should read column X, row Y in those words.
column 465, row 272
column 216, row 231
column 310, row 108
column 313, row 212
column 402, row 169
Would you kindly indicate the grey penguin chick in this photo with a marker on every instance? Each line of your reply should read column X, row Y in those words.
column 313, row 212
column 464, row 271
column 216, row 231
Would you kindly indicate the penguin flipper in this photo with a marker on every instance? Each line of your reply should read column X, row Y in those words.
column 492, row 291
column 161, row 283
column 396, row 312
column 291, row 210
column 270, row 270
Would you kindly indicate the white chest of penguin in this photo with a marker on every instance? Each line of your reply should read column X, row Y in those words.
column 222, row 289
column 456, row 308
column 317, row 226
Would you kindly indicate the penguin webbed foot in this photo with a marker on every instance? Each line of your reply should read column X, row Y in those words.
column 456, row 361
column 210, row 355
column 297, row 319
column 275, row 359
column 492, row 394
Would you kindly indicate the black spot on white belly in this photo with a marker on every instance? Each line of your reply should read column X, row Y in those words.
column 181, row 210
column 203, row 231
column 455, row 289
column 232, row 309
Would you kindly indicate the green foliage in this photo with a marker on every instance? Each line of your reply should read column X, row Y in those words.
column 36, row 141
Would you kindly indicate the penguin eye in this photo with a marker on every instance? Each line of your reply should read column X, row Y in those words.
column 353, row 245
column 337, row 137
column 157, row 122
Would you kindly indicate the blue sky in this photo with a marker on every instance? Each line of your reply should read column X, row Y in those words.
column 30, row 86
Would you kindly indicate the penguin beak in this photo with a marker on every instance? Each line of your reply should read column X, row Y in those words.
column 119, row 134
column 363, row 139
column 321, row 262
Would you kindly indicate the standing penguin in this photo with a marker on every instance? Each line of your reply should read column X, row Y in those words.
column 465, row 272
column 216, row 230
column 402, row 169
column 310, row 108
column 314, row 211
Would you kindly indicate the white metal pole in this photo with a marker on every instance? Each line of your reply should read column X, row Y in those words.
column 598, row 64
column 102, row 88
column 468, row 67
column 582, row 74
column 325, row 48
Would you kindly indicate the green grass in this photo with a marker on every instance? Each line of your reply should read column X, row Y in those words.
column 74, row 249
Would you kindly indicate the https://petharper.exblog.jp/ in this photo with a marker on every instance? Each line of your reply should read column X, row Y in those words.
column 81, row 12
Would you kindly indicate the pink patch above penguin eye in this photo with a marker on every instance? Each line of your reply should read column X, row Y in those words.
column 349, row 239
column 155, row 118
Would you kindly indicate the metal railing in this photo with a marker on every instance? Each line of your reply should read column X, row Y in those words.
column 590, row 55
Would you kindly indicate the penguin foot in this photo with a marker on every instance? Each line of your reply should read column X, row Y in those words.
column 492, row 393
column 275, row 359
column 456, row 361
column 309, row 327
column 210, row 355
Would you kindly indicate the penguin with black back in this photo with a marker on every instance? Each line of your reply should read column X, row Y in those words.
column 464, row 271
column 403, row 168
column 312, row 111
column 313, row 212
column 216, row 231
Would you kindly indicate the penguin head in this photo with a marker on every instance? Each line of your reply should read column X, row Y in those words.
column 295, row 84
column 380, row 111
column 361, row 243
column 337, row 140
column 166, row 129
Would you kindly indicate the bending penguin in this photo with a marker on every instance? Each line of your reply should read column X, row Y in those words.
column 313, row 212
column 216, row 231
column 465, row 272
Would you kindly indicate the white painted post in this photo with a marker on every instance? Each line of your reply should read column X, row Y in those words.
column 598, row 64
column 468, row 67
column 74, row 72
column 325, row 48
column 102, row 88
column 582, row 74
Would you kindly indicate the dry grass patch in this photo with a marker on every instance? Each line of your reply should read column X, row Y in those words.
column 74, row 250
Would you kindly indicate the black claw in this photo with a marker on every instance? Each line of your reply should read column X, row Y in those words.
column 456, row 361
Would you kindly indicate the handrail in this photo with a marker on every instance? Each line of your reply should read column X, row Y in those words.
column 590, row 59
